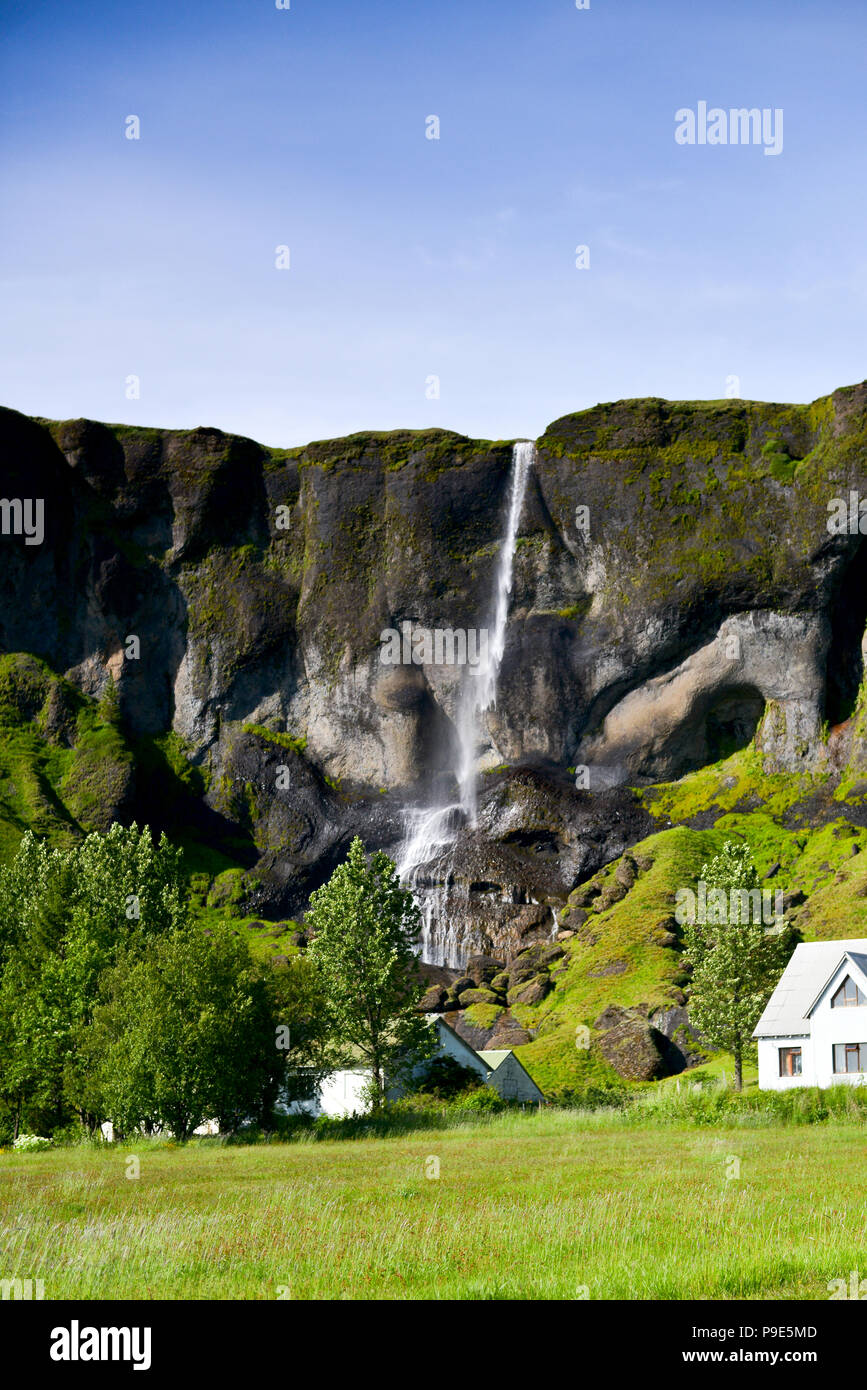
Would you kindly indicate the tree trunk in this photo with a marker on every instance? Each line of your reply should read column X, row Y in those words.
column 739, row 1073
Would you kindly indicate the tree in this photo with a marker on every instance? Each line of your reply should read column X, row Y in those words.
column 187, row 1033
column 736, row 960
column 65, row 917
column 364, row 927
column 301, row 1014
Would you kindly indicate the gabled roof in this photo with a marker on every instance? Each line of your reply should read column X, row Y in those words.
column 802, row 983
column 853, row 958
column 493, row 1059
column 468, row 1050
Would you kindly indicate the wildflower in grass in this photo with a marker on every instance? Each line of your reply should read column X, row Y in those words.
column 31, row 1143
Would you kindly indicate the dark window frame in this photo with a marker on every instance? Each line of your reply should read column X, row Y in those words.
column 796, row 1055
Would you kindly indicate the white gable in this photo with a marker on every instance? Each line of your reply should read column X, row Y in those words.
column 852, row 965
column 802, row 984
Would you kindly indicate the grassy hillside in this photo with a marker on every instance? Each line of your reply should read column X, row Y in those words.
column 627, row 946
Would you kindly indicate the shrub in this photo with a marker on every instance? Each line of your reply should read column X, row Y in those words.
column 445, row 1077
column 30, row 1143
column 484, row 1100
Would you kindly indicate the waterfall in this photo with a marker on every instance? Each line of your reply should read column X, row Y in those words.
column 425, row 855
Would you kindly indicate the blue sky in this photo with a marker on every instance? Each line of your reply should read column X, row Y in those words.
column 410, row 257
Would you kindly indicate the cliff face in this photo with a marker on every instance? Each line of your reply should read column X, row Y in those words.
column 677, row 594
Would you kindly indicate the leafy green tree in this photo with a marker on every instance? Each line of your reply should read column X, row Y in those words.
column 737, row 961
column 301, row 1014
column 364, row 928
column 187, row 1033
column 65, row 916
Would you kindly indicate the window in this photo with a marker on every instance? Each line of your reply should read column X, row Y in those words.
column 790, row 1061
column 848, row 996
column 850, row 1057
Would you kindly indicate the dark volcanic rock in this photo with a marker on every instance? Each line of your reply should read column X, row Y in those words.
column 479, row 996
column 433, row 1001
column 635, row 1050
column 508, row 1037
column 532, row 992
column 464, row 983
column 259, row 581
column 483, row 969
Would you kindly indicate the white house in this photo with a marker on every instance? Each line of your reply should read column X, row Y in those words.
column 342, row 1093
column 813, row 1031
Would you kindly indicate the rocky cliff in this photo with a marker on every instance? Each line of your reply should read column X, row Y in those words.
column 681, row 592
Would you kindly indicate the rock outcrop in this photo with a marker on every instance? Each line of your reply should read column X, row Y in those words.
column 677, row 593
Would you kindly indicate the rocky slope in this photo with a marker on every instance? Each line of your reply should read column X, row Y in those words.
column 678, row 597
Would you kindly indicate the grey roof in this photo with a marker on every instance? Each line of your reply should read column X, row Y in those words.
column 809, row 970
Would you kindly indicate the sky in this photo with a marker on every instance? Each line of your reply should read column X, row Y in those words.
column 419, row 265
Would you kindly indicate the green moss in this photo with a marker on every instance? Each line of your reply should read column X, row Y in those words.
column 734, row 781
column 99, row 778
column 227, row 889
column 296, row 745
column 576, row 611
column 483, row 1015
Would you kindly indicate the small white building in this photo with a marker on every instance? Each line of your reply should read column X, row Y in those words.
column 342, row 1093
column 813, row 1031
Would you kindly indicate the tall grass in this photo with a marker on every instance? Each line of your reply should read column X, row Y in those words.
column 556, row 1204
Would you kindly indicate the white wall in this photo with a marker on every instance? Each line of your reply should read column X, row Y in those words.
column 339, row 1094
column 454, row 1046
column 827, row 1027
column 769, row 1064
column 514, row 1083
column 342, row 1093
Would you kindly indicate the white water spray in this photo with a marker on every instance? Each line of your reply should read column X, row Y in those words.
column 433, row 833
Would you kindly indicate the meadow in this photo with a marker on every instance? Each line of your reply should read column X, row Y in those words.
column 550, row 1204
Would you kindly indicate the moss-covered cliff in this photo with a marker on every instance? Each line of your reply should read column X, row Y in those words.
column 197, row 643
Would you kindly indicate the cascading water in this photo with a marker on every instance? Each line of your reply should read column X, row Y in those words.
column 426, row 854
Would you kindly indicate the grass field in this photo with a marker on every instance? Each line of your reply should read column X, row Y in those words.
column 552, row 1205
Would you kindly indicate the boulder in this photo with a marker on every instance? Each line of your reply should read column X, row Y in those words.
column 533, row 992
column 434, row 1000
column 522, row 970
column 483, row 969
column 608, row 967
column 611, row 1017
column 549, row 954
column 685, row 1043
column 479, row 996
column 508, row 1038
column 635, row 1050
column 625, row 873
column 582, row 897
